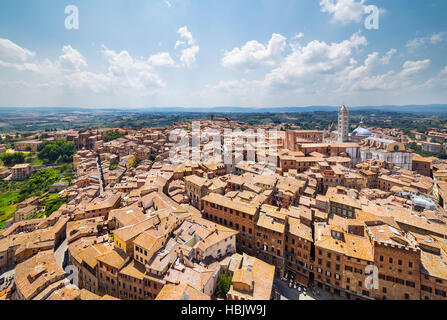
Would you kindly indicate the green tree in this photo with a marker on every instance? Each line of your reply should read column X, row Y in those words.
column 223, row 285
column 112, row 135
column 10, row 159
column 59, row 151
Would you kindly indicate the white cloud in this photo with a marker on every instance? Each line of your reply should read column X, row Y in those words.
column 365, row 77
column 188, row 55
column 415, row 43
column 127, row 72
column 185, row 34
column 254, row 55
column 13, row 52
column 386, row 59
column 433, row 39
column 70, row 70
column 72, row 59
column 344, row 11
column 443, row 72
column 162, row 59
column 122, row 62
column 179, row 43
column 438, row 37
column 41, row 67
column 410, row 68
column 298, row 35
column 328, row 71
column 306, row 64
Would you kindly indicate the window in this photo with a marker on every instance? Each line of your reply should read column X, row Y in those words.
column 440, row 292
column 425, row 288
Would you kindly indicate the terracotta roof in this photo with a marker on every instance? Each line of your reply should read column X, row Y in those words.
column 181, row 292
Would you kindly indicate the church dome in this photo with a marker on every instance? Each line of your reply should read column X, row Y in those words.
column 363, row 132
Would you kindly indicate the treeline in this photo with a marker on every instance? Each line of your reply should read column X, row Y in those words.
column 417, row 149
column 10, row 159
column 38, row 183
column 112, row 135
column 59, row 151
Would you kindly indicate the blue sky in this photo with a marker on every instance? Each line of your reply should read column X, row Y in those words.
column 204, row 53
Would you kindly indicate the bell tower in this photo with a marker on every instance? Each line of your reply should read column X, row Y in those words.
column 343, row 124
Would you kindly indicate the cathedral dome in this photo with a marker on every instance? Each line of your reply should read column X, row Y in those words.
column 363, row 132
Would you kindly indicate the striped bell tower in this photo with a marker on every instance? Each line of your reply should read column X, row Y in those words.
column 343, row 124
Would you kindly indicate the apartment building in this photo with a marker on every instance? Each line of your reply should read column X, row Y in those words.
column 294, row 136
column 298, row 249
column 29, row 145
column 252, row 280
column 38, row 277
column 21, row 171
column 109, row 265
column 422, row 165
column 270, row 237
column 237, row 210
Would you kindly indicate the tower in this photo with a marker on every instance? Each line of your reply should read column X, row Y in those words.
column 343, row 124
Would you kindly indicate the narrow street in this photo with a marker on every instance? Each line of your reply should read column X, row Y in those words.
column 286, row 293
column 59, row 253
column 101, row 175
column 6, row 275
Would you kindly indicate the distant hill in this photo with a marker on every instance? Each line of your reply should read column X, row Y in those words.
column 427, row 110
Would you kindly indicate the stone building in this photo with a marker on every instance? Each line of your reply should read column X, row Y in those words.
column 343, row 124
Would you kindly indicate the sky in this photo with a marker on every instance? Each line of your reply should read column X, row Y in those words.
column 207, row 53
